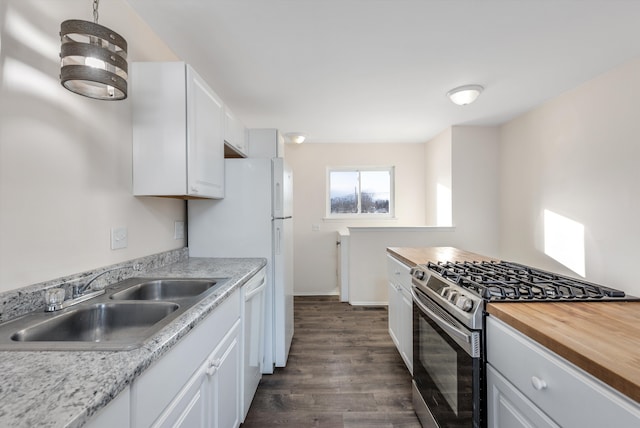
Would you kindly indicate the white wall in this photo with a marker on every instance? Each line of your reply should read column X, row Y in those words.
column 315, row 258
column 437, row 166
column 475, row 179
column 65, row 160
column 578, row 156
column 470, row 154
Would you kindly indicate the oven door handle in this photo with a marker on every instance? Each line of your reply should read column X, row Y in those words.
column 467, row 341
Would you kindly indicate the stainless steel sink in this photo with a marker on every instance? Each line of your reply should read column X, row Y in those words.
column 100, row 322
column 123, row 318
column 165, row 289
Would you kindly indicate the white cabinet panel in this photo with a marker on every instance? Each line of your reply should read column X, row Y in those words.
column 205, row 124
column 178, row 125
column 235, row 134
column 224, row 367
column 400, row 308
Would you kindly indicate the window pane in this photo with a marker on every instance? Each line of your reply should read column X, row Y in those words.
column 376, row 191
column 343, row 192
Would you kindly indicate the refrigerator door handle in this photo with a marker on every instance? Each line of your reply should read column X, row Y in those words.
column 278, row 241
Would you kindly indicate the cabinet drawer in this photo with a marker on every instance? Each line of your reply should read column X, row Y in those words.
column 569, row 395
column 398, row 272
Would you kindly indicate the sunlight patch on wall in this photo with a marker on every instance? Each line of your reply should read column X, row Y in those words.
column 21, row 29
column 564, row 241
column 443, row 200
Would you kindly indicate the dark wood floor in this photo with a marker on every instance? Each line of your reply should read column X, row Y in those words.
column 343, row 371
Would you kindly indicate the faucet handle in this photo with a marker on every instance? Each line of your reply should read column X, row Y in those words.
column 53, row 299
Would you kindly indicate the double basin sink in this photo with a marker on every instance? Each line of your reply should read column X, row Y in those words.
column 122, row 318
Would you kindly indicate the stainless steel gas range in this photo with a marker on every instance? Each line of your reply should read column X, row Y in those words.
column 448, row 330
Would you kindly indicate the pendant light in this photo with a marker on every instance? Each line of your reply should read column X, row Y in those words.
column 93, row 59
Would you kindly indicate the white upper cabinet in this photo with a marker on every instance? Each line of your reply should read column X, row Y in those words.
column 178, row 132
column 235, row 136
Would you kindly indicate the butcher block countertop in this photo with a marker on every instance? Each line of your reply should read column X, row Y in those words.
column 419, row 256
column 602, row 338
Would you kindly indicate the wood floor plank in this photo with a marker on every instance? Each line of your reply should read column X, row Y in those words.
column 343, row 371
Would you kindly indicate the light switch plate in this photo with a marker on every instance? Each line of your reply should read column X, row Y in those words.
column 119, row 238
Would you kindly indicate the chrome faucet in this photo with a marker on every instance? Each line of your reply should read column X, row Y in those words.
column 54, row 298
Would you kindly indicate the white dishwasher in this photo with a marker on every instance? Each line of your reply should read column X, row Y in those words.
column 253, row 331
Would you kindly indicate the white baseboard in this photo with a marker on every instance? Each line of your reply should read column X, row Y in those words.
column 315, row 293
column 369, row 303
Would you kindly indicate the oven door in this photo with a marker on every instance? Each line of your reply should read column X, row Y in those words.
column 447, row 368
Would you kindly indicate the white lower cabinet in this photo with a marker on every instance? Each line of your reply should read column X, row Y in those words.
column 197, row 383
column 400, row 309
column 530, row 386
column 210, row 398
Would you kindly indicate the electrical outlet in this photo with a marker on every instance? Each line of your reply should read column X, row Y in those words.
column 119, row 238
column 178, row 230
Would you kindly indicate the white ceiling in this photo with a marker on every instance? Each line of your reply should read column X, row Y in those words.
column 378, row 70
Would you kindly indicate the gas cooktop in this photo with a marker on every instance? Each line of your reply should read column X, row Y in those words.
column 508, row 281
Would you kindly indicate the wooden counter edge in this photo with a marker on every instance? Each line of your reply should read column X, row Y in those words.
column 413, row 256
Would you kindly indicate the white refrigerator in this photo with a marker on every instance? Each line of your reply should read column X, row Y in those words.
column 254, row 220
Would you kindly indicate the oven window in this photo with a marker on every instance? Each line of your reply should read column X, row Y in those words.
column 441, row 362
column 447, row 378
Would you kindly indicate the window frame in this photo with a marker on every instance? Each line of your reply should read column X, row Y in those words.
column 359, row 215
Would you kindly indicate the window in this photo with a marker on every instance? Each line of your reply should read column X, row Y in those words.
column 360, row 192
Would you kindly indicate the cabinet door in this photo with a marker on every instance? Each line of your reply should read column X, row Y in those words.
column 234, row 132
column 393, row 312
column 224, row 382
column 188, row 410
column 406, row 328
column 205, row 144
column 508, row 408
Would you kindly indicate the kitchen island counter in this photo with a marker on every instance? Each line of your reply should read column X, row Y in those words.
column 602, row 338
column 66, row 388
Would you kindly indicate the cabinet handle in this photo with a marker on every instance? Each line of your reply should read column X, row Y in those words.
column 194, row 189
column 397, row 272
column 214, row 366
column 538, row 383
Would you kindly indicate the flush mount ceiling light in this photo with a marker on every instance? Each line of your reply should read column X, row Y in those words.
column 93, row 59
column 463, row 95
column 296, row 137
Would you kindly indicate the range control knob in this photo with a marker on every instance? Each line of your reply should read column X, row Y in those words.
column 419, row 274
column 453, row 296
column 445, row 292
column 464, row 303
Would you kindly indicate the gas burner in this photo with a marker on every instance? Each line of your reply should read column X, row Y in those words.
column 508, row 281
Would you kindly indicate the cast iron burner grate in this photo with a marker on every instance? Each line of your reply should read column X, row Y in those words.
column 512, row 281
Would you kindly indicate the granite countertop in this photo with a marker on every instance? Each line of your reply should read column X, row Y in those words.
column 66, row 388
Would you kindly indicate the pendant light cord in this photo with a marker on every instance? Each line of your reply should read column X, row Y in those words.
column 95, row 11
